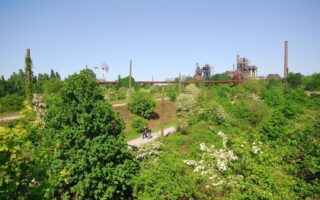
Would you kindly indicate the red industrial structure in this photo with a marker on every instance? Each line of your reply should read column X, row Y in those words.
column 182, row 82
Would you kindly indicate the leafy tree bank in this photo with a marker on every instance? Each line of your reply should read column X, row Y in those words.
column 90, row 159
column 268, row 147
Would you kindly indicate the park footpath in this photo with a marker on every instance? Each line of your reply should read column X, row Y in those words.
column 155, row 135
column 10, row 118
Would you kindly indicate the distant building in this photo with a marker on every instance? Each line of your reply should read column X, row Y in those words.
column 204, row 72
column 244, row 70
column 233, row 75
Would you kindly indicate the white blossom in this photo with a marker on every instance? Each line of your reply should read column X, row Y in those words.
column 256, row 149
column 214, row 163
column 190, row 162
column 222, row 166
column 203, row 147
column 147, row 150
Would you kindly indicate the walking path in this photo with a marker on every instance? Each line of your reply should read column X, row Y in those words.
column 155, row 135
column 10, row 118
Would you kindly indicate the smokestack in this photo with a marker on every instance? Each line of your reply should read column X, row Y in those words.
column 286, row 69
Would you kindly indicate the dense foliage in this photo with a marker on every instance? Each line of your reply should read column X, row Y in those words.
column 138, row 123
column 13, row 90
column 124, row 82
column 11, row 102
column 269, row 147
column 255, row 140
column 90, row 158
column 142, row 104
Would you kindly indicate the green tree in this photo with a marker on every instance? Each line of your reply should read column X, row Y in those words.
column 28, row 69
column 124, row 82
column 222, row 76
column 11, row 102
column 16, row 83
column 142, row 104
column 90, row 159
column 313, row 82
column 3, row 87
column 52, row 86
column 294, row 80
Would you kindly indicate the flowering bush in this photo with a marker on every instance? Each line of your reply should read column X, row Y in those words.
column 147, row 150
column 211, row 112
column 214, row 164
column 185, row 104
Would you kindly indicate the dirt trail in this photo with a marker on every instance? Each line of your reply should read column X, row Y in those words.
column 10, row 118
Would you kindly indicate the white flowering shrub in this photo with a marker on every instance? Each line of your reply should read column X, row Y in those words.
column 148, row 149
column 256, row 147
column 185, row 104
column 214, row 164
column 38, row 104
column 192, row 89
column 211, row 112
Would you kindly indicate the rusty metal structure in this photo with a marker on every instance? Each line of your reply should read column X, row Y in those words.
column 245, row 69
column 203, row 72
column 182, row 82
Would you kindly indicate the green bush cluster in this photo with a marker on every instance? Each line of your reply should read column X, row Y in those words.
column 272, row 129
column 142, row 104
column 138, row 123
column 90, row 159
column 11, row 103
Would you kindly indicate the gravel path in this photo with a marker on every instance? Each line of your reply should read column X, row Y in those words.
column 155, row 135
column 10, row 118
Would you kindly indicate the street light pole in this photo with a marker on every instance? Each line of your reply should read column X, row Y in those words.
column 162, row 119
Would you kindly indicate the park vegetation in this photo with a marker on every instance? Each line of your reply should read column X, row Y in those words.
column 255, row 140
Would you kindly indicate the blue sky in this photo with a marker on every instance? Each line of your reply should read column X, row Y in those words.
column 162, row 37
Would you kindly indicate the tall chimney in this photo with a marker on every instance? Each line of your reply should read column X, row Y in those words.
column 286, row 69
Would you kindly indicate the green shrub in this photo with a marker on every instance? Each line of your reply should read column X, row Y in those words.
column 185, row 104
column 89, row 157
column 138, row 123
column 257, row 111
column 313, row 82
column 211, row 112
column 121, row 93
column 52, row 86
column 11, row 103
column 294, row 80
column 172, row 95
column 142, row 104
column 124, row 82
